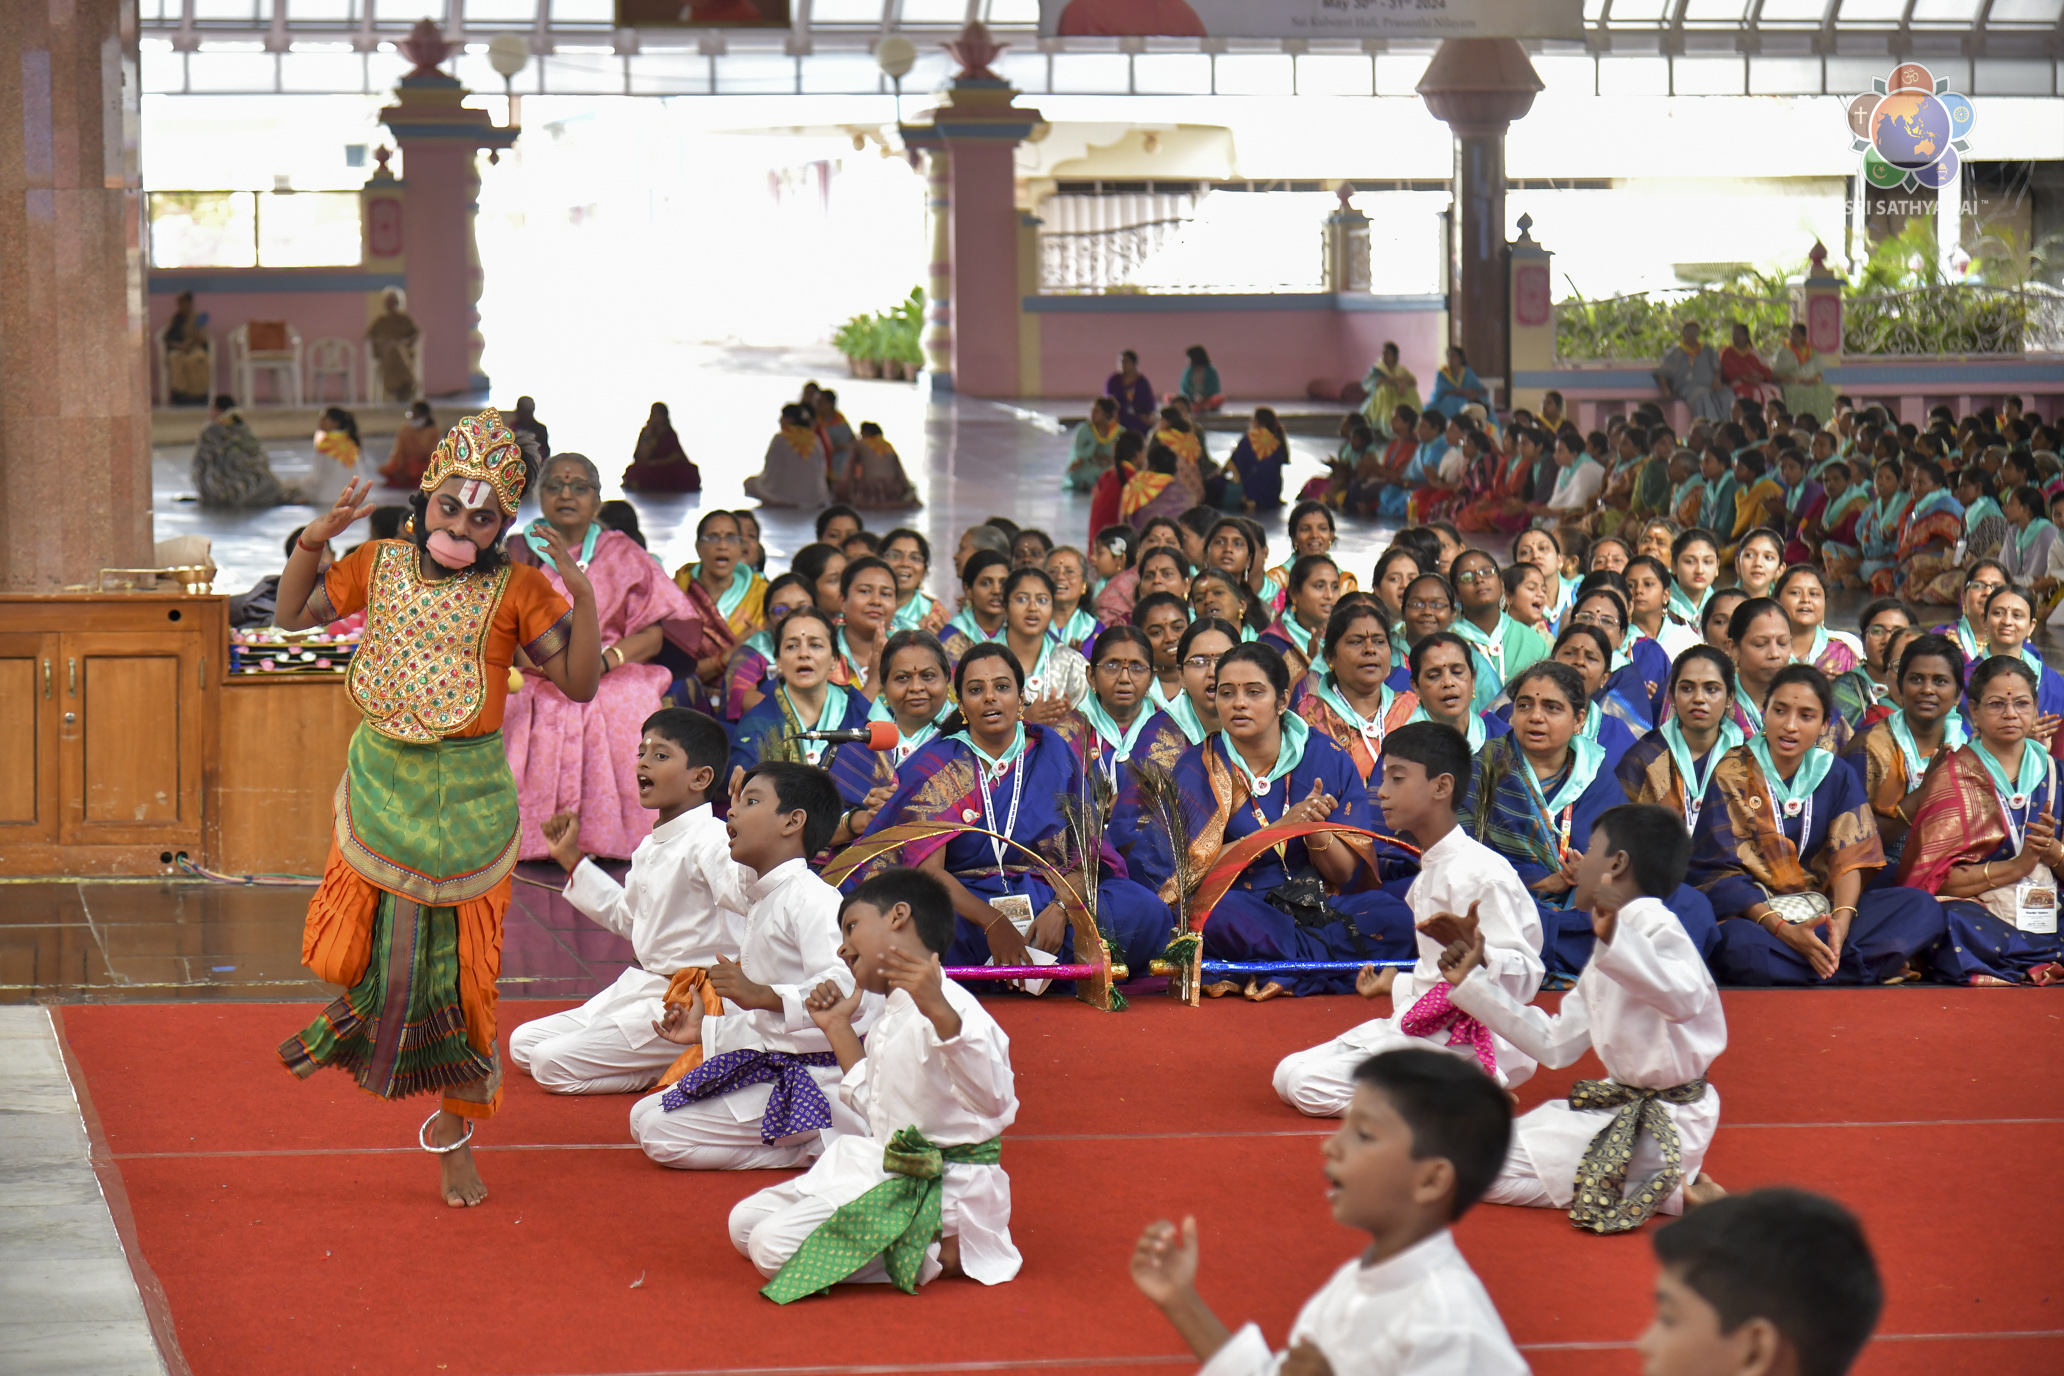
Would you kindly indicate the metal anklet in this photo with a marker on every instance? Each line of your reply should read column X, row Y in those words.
column 423, row 1137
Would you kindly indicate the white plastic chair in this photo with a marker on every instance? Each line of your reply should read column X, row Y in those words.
column 162, row 383
column 375, row 388
column 246, row 363
column 331, row 357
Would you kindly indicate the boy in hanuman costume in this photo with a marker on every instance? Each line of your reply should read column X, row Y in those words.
column 409, row 914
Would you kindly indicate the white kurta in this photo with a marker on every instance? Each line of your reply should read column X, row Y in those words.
column 1648, row 1004
column 956, row 1093
column 1455, row 871
column 1422, row 1312
column 791, row 944
column 678, row 907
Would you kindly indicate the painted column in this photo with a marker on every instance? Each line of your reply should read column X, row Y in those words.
column 438, row 135
column 938, row 336
column 1478, row 86
column 1347, row 245
column 75, row 474
column 1533, row 319
column 979, row 130
column 1820, row 306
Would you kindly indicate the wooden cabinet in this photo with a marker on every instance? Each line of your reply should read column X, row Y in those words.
column 107, row 730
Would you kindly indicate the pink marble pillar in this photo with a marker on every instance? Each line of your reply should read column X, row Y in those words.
column 985, row 267
column 439, row 135
column 75, row 479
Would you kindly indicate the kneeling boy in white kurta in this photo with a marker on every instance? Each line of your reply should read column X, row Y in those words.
column 679, row 907
column 1425, row 773
column 1424, row 1134
column 756, row 1097
column 922, row 1193
column 1617, row 1150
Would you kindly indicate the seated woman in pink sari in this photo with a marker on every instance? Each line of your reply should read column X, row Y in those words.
column 1503, row 509
column 582, row 757
column 1745, row 371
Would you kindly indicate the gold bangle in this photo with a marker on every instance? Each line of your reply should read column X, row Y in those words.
column 1845, row 908
column 1985, row 875
column 616, row 650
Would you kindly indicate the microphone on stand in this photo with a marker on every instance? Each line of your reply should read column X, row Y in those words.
column 876, row 735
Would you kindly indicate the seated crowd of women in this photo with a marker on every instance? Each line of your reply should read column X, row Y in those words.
column 1868, row 808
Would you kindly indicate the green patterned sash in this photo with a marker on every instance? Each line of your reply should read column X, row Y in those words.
column 433, row 822
column 1601, row 1203
column 897, row 1220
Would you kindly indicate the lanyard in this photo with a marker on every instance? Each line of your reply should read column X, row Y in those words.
column 1693, row 783
column 2025, row 798
column 1261, row 818
column 1010, row 825
column 1535, row 795
column 834, row 703
column 1910, row 750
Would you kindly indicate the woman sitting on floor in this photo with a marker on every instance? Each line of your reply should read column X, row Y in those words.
column 1266, row 766
column 1611, row 721
column 802, row 699
column 867, row 594
column 1429, row 607
column 1860, row 692
column 1784, row 844
column 916, row 696
column 582, row 757
column 1443, row 678
column 1055, row 673
column 1259, row 460
column 1193, row 709
column 1759, row 635
column 1301, row 630
column 2009, row 620
column 991, row 771
column 1637, row 673
column 1126, row 724
column 1671, row 765
column 749, row 666
column 725, row 590
column 1538, row 792
column 1073, row 624
column 659, row 463
column 1802, row 592
column 982, row 619
column 1757, row 562
column 1347, row 698
column 1984, row 841
column 1216, row 593
column 1892, row 756
column 909, row 556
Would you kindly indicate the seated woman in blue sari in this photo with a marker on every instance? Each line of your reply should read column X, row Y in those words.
column 1456, row 385
column 991, row 770
column 1266, row 766
column 1891, row 757
column 1443, row 677
column 916, row 696
column 1784, row 844
column 1588, row 650
column 981, row 579
column 803, row 699
column 1984, row 841
column 1314, row 588
column 1759, row 636
column 1671, row 765
column 1535, row 798
column 1124, row 722
column 1430, row 606
column 747, row 670
column 1194, row 710
column 1350, row 701
column 2009, row 620
column 1641, row 666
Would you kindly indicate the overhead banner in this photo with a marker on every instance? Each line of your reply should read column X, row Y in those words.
column 1311, row 18
column 702, row 14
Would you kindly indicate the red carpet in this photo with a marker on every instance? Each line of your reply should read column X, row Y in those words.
column 296, row 1229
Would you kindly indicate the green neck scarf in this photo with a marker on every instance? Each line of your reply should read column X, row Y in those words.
column 2034, row 767
column 1954, row 734
column 1790, row 795
column 1586, row 756
column 1289, row 754
column 1183, row 713
column 1476, row 734
column 1120, row 738
column 1687, row 768
column 741, row 584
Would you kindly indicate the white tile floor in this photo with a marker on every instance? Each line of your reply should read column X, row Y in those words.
column 68, row 1301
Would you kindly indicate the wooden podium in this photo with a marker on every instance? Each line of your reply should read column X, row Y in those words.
column 125, row 742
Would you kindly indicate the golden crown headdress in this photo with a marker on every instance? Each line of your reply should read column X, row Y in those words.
column 482, row 448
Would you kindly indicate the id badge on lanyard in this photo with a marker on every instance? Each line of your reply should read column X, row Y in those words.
column 2035, row 896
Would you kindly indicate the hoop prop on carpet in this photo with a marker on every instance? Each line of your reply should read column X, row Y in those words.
column 1093, row 977
column 1183, row 962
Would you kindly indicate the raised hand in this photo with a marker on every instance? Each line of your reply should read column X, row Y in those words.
column 1316, row 806
column 1447, row 929
column 562, row 835
column 925, row 981
column 2041, row 840
column 1164, row 1261
column 729, row 980
column 830, row 1006
column 681, row 1023
column 1461, row 957
column 565, row 561
column 333, row 522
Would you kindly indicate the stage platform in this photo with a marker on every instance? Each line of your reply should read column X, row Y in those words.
column 293, row 1227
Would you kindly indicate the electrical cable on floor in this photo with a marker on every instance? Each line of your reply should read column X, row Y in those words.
column 267, row 881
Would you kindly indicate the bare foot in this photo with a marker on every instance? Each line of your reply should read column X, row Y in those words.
column 461, row 1179
column 1990, row 982
column 949, row 1255
column 1263, row 993
column 1703, row 1190
column 1219, row 989
column 1385, row 977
